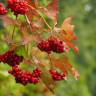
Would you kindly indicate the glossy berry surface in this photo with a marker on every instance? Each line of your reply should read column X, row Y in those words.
column 36, row 72
column 25, row 77
column 57, row 76
column 17, row 6
column 11, row 58
column 44, row 46
column 52, row 44
column 2, row 9
column 56, row 45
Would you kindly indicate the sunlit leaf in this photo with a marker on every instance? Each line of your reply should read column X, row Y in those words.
column 68, row 30
column 67, row 34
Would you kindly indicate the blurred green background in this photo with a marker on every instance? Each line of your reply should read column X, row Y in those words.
column 84, row 19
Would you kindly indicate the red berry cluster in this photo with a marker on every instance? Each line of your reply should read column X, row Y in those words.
column 57, row 76
column 17, row 6
column 25, row 77
column 56, row 45
column 11, row 58
column 44, row 46
column 52, row 44
column 2, row 9
column 36, row 72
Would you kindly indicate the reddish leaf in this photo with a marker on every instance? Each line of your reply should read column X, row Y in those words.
column 13, row 47
column 36, row 3
column 7, row 21
column 24, row 30
column 67, row 34
column 62, row 64
column 31, row 12
column 37, row 25
column 67, row 30
column 52, row 10
column 71, row 45
column 45, row 76
column 75, row 73
column 26, row 36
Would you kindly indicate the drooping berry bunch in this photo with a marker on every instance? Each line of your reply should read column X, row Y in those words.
column 44, row 46
column 52, row 44
column 25, row 77
column 2, row 9
column 36, row 72
column 14, row 60
column 17, row 6
column 11, row 58
column 58, row 76
column 57, row 45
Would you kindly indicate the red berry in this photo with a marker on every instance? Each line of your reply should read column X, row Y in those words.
column 56, row 45
column 11, row 58
column 2, row 9
column 34, row 80
column 25, row 77
column 1, row 4
column 36, row 72
column 52, row 44
column 44, row 46
column 17, row 6
column 57, row 76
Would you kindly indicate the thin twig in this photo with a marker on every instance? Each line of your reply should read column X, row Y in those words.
column 41, row 16
column 51, row 64
column 47, row 87
column 14, row 30
column 42, row 80
column 28, row 22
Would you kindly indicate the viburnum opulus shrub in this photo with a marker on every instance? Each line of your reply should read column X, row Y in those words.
column 46, row 45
